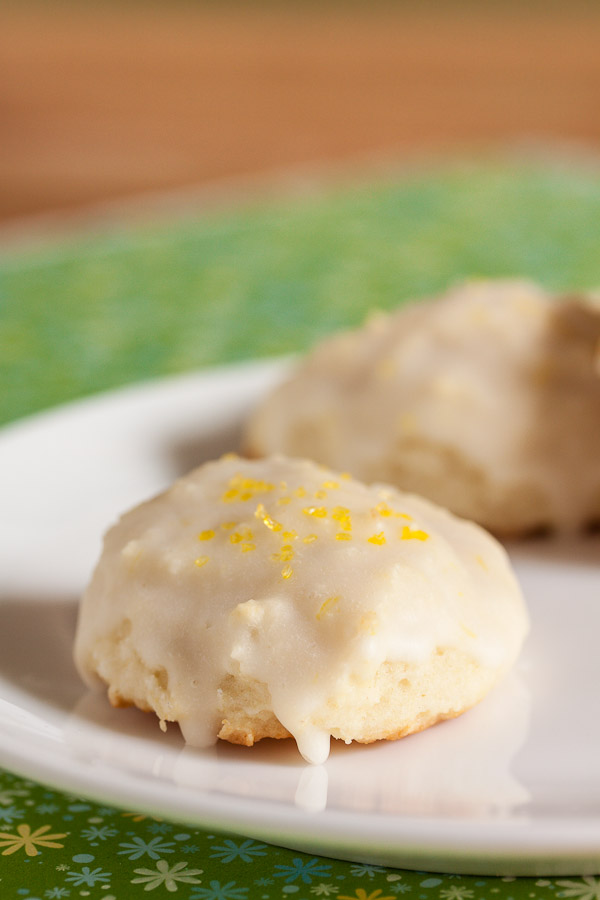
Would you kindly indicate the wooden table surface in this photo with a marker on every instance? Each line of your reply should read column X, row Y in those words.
column 112, row 101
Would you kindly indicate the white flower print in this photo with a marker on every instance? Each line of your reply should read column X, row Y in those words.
column 586, row 889
column 167, row 875
column 456, row 892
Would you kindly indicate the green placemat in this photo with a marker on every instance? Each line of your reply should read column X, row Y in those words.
column 103, row 309
column 56, row 846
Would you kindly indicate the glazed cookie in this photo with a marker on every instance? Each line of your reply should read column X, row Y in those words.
column 487, row 401
column 273, row 598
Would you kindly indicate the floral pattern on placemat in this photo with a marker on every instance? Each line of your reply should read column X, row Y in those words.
column 54, row 846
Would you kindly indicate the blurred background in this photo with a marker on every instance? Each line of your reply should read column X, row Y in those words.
column 184, row 184
column 103, row 100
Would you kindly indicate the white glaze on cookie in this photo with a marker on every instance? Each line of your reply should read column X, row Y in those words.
column 284, row 573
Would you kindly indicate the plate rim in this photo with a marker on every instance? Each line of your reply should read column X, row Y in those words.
column 475, row 847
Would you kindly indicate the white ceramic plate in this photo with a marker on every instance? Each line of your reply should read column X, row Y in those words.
column 512, row 787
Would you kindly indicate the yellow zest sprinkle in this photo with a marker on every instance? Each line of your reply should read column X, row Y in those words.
column 201, row 561
column 414, row 534
column 287, row 572
column 326, row 606
column 283, row 501
column 283, row 485
column 377, row 538
column 246, row 548
column 319, row 512
column 272, row 524
column 261, row 513
column 207, row 535
column 240, row 488
column 227, row 526
column 482, row 563
column 230, row 456
column 467, row 631
column 290, row 535
column 343, row 536
column 330, row 485
column 310, row 538
column 384, row 510
column 346, row 476
column 238, row 536
column 342, row 515
column 320, row 494
column 300, row 492
column 285, row 554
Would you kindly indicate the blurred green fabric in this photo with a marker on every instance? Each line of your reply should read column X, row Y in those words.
column 105, row 308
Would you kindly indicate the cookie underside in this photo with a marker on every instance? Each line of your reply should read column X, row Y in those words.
column 401, row 699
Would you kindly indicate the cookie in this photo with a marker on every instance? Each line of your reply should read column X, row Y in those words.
column 486, row 401
column 275, row 597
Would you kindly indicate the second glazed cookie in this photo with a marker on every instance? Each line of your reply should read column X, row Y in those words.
column 486, row 400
